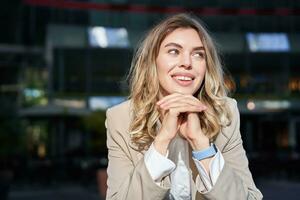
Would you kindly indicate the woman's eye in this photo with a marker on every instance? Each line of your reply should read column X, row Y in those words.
column 173, row 51
column 199, row 54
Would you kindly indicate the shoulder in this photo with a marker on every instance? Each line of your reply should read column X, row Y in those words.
column 120, row 109
column 232, row 105
column 231, row 131
column 119, row 116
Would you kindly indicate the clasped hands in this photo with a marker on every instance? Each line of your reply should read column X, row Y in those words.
column 180, row 114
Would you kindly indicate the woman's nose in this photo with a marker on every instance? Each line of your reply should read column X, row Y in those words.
column 186, row 61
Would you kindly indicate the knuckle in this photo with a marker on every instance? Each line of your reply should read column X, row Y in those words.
column 173, row 111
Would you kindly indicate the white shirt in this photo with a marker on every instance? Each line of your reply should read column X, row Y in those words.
column 176, row 164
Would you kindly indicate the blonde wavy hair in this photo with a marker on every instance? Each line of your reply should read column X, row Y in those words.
column 144, row 84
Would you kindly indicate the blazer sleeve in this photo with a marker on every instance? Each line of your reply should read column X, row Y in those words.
column 126, row 180
column 235, row 181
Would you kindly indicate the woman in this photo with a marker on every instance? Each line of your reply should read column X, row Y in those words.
column 177, row 137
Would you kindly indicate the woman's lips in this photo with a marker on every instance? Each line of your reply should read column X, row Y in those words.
column 183, row 80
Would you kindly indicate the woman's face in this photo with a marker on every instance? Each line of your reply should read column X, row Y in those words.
column 181, row 63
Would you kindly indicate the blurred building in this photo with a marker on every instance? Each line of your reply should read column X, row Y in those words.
column 62, row 60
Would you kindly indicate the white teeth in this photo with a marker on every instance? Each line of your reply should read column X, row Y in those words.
column 183, row 78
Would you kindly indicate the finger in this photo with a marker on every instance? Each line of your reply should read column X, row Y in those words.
column 188, row 109
column 180, row 100
column 186, row 100
column 176, row 97
column 171, row 100
column 184, row 109
column 166, row 98
column 176, row 104
column 193, row 100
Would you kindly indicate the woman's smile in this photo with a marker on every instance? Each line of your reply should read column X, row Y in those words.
column 183, row 79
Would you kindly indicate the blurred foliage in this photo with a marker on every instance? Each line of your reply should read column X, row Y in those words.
column 36, row 135
column 95, row 124
column 35, row 83
column 34, row 78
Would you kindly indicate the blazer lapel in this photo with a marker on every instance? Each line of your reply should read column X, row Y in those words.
column 221, row 141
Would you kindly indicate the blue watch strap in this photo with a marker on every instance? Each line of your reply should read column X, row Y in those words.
column 206, row 153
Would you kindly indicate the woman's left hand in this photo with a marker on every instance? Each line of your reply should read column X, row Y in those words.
column 190, row 127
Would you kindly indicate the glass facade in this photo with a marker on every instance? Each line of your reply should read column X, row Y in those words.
column 54, row 81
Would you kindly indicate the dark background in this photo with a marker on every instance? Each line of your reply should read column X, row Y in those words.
column 52, row 139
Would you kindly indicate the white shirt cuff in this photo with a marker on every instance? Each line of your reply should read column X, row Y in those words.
column 215, row 167
column 158, row 165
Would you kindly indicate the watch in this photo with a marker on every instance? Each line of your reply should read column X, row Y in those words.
column 205, row 153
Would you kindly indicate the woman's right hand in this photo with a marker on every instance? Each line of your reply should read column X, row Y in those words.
column 171, row 107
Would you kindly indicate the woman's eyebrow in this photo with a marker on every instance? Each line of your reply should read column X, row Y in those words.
column 179, row 46
column 199, row 48
column 173, row 44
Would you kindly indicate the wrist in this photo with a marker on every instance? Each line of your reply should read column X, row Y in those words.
column 204, row 154
column 199, row 144
column 161, row 145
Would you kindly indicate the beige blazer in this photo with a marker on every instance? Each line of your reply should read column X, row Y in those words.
column 129, row 179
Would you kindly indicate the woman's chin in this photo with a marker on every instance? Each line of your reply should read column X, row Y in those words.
column 183, row 91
